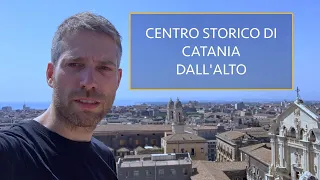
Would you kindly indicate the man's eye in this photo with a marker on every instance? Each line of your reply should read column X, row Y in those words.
column 75, row 65
column 105, row 68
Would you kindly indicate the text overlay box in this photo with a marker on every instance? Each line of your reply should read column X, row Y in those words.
column 211, row 51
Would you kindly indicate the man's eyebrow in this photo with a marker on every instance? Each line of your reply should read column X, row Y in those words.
column 72, row 59
column 103, row 61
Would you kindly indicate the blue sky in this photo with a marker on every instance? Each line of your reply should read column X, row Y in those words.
column 27, row 28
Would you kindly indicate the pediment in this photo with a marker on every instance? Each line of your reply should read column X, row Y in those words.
column 297, row 116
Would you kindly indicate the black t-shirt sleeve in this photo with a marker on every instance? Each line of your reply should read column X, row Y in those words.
column 113, row 162
column 23, row 151
column 8, row 155
column 110, row 159
column 106, row 154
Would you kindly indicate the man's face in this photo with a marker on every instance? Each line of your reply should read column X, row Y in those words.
column 85, row 79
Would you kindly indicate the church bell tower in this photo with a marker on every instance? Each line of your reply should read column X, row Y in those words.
column 170, row 111
column 178, row 119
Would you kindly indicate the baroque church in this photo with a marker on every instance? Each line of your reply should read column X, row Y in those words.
column 180, row 141
column 295, row 143
column 175, row 112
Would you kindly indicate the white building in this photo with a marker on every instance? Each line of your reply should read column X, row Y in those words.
column 295, row 143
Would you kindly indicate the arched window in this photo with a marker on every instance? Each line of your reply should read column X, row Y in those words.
column 292, row 132
column 301, row 134
column 284, row 131
column 312, row 137
column 277, row 131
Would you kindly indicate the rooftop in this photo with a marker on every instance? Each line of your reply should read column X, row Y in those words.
column 154, row 163
column 261, row 152
column 186, row 137
column 208, row 170
column 255, row 132
column 155, row 160
column 231, row 135
column 131, row 128
column 205, row 128
column 250, row 148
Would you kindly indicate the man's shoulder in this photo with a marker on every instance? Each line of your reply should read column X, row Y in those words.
column 105, row 152
column 15, row 136
column 101, row 147
column 18, row 130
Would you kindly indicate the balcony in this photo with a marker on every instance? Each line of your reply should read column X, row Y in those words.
column 294, row 141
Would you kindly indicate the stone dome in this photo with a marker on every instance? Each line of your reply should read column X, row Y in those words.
column 178, row 104
column 170, row 104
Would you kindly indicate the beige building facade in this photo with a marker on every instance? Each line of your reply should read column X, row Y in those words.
column 196, row 146
column 228, row 144
column 179, row 141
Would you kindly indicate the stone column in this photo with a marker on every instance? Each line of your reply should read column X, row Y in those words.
column 281, row 151
column 293, row 173
column 317, row 174
column 273, row 150
column 306, row 164
column 306, row 159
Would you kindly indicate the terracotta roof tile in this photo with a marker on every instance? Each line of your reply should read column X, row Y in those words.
column 231, row 135
column 183, row 137
column 247, row 149
column 205, row 128
column 262, row 154
column 131, row 128
column 208, row 170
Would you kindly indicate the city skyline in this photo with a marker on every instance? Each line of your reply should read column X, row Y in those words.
column 161, row 101
column 23, row 75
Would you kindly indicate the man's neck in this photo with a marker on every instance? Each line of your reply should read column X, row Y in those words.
column 50, row 121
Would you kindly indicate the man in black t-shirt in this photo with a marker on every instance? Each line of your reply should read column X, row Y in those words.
column 84, row 74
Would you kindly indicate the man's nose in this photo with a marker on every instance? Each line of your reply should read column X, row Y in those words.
column 87, row 79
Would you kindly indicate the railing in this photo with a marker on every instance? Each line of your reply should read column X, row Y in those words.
column 294, row 141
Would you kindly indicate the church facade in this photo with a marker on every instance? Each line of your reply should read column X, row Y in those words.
column 180, row 141
column 295, row 143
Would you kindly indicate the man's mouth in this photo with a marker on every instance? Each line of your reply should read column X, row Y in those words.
column 87, row 101
column 87, row 104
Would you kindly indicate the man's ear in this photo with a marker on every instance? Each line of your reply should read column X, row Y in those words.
column 49, row 73
column 119, row 76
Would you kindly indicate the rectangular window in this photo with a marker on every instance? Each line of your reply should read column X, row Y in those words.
column 122, row 142
column 148, row 173
column 192, row 152
column 135, row 173
column 161, row 171
column 154, row 142
column 184, row 171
